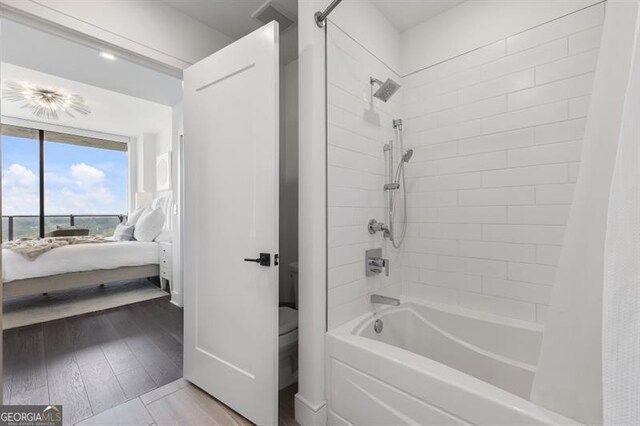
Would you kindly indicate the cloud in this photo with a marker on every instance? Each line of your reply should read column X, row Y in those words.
column 82, row 189
column 19, row 191
column 85, row 192
column 19, row 177
column 87, row 176
column 55, row 178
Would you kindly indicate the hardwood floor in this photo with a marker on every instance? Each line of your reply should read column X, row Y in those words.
column 94, row 362
column 116, row 367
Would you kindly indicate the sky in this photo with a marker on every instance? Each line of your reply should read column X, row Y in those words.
column 78, row 179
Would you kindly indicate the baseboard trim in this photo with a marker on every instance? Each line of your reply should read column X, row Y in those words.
column 309, row 415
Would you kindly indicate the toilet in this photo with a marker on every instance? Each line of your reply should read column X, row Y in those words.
column 288, row 336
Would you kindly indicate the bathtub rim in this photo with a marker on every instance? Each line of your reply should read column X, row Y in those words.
column 357, row 324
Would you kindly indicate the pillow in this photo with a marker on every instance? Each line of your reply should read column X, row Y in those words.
column 165, row 236
column 123, row 232
column 134, row 216
column 149, row 225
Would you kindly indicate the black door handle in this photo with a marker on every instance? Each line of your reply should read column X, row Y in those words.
column 263, row 260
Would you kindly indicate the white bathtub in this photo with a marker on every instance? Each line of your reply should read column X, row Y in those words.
column 434, row 365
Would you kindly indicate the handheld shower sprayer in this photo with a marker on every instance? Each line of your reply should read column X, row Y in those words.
column 393, row 185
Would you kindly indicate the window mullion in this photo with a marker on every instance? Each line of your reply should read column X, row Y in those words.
column 42, row 221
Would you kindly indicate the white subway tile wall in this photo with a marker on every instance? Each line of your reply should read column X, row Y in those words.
column 495, row 166
column 358, row 128
column 497, row 136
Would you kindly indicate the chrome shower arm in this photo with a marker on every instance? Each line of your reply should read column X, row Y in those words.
column 321, row 17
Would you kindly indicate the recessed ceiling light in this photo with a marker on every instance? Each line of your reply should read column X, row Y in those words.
column 107, row 55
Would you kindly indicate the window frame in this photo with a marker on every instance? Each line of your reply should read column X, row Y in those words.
column 25, row 128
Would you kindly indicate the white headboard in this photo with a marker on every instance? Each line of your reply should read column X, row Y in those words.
column 165, row 203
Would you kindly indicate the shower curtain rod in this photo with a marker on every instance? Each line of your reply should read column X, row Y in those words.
column 320, row 17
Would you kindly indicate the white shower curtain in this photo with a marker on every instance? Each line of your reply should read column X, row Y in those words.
column 621, row 293
column 569, row 379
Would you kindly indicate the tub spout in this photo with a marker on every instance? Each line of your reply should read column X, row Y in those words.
column 384, row 300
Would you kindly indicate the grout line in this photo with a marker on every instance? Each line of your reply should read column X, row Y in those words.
column 147, row 410
column 505, row 39
column 506, row 94
column 124, row 340
column 84, row 387
column 351, row 130
column 46, row 367
column 163, row 396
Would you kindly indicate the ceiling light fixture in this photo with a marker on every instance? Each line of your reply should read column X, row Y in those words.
column 45, row 102
column 107, row 55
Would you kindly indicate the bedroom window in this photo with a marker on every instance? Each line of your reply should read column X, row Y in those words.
column 20, row 184
column 60, row 184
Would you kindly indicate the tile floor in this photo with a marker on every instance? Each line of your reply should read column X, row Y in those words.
column 181, row 403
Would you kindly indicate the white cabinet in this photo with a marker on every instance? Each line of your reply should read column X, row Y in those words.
column 165, row 265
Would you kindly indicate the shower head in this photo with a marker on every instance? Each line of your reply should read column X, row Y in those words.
column 386, row 90
column 407, row 155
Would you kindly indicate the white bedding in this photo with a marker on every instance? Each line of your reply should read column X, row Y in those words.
column 77, row 258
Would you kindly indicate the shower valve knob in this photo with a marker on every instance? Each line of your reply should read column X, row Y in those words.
column 377, row 263
column 374, row 226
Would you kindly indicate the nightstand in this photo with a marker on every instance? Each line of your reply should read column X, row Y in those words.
column 166, row 266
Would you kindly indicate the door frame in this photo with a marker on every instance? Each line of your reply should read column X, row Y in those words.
column 177, row 297
column 46, row 23
column 166, row 65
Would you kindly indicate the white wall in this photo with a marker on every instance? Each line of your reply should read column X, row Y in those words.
column 466, row 122
column 145, row 162
column 358, row 128
column 366, row 24
column 474, row 24
column 148, row 28
column 164, row 139
column 288, row 177
column 147, row 148
column 497, row 135
column 310, row 401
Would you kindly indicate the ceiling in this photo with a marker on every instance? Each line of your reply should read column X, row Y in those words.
column 111, row 112
column 230, row 17
column 56, row 55
column 405, row 14
column 233, row 18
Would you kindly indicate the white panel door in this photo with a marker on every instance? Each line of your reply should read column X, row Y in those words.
column 231, row 127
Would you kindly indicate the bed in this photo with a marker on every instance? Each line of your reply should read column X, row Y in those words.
column 77, row 266
column 81, row 265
